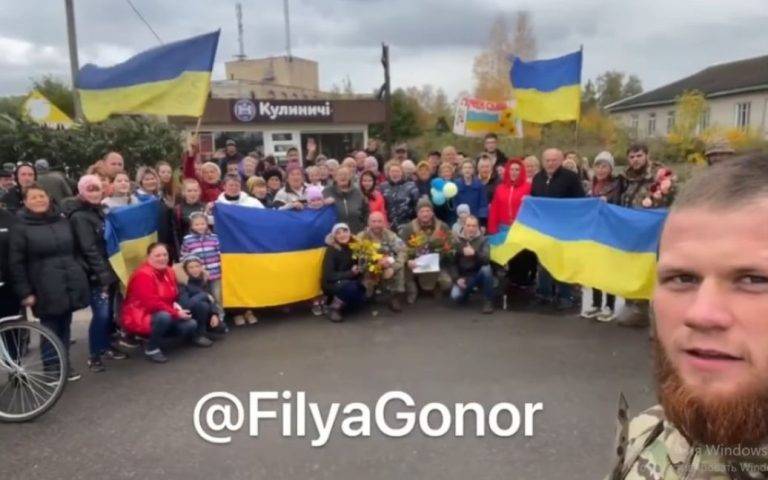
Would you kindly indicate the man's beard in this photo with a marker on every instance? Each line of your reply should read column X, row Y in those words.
column 738, row 421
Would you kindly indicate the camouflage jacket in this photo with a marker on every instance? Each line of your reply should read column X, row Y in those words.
column 636, row 186
column 390, row 243
column 650, row 448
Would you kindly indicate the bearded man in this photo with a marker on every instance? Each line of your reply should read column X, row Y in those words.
column 711, row 345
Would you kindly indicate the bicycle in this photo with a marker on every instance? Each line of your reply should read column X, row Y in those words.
column 33, row 369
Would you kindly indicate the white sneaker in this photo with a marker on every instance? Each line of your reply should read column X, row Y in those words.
column 239, row 320
column 250, row 318
column 591, row 312
column 606, row 315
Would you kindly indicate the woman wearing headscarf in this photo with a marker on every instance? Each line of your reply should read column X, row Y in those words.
column 44, row 269
column 24, row 176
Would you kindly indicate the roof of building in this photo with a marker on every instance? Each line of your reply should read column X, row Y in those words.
column 718, row 80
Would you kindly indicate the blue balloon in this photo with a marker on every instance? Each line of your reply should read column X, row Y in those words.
column 438, row 183
column 438, row 198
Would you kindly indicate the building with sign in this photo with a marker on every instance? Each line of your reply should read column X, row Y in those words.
column 273, row 104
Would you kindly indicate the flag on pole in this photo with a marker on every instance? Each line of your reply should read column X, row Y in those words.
column 548, row 90
column 39, row 109
column 475, row 118
column 173, row 79
column 588, row 242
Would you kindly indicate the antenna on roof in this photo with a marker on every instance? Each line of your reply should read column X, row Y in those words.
column 287, row 30
column 239, row 13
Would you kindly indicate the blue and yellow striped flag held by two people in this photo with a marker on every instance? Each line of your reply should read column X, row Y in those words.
column 548, row 90
column 271, row 257
column 172, row 79
column 587, row 242
column 128, row 232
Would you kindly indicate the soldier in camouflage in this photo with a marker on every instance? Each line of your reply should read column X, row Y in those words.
column 644, row 184
column 710, row 355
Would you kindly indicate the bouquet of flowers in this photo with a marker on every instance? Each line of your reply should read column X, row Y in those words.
column 420, row 244
column 368, row 255
column 661, row 189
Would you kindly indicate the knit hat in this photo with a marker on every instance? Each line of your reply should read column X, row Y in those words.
column 272, row 172
column 463, row 208
column 424, row 203
column 189, row 259
column 42, row 165
column 86, row 181
column 338, row 227
column 314, row 192
column 605, row 157
column 194, row 215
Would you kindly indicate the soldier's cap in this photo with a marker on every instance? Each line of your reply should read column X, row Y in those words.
column 721, row 146
column 9, row 167
column 231, row 142
column 6, row 174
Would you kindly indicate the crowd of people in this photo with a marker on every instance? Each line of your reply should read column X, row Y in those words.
column 53, row 257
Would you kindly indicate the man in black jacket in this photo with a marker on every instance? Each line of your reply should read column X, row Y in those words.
column 554, row 181
column 490, row 147
column 9, row 302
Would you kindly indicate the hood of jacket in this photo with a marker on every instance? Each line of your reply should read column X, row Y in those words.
column 507, row 178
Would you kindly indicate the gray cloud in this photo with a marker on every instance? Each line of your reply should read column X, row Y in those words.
column 432, row 41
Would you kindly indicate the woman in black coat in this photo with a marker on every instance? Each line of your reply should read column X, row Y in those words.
column 45, row 272
column 9, row 303
column 341, row 275
column 86, row 216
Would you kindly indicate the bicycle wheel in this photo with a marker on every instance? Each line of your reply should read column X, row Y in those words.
column 33, row 370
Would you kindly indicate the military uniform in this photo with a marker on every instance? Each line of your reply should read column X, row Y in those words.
column 393, row 246
column 650, row 448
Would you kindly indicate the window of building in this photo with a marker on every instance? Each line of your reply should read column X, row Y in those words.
column 634, row 122
column 704, row 120
column 651, row 124
column 670, row 121
column 743, row 111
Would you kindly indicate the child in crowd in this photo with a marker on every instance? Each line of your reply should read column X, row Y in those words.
column 258, row 189
column 190, row 203
column 463, row 212
column 197, row 296
column 315, row 201
column 274, row 179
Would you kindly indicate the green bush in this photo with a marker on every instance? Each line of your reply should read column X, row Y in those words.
column 141, row 141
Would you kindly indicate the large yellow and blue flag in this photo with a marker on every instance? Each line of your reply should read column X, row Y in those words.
column 271, row 257
column 588, row 242
column 548, row 90
column 173, row 79
column 129, row 230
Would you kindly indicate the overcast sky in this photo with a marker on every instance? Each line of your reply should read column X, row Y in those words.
column 431, row 41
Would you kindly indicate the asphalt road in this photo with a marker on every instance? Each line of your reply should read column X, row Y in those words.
column 136, row 420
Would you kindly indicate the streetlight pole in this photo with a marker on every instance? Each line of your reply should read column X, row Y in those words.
column 387, row 99
column 74, row 63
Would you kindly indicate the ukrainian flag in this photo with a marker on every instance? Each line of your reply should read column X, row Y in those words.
column 128, row 232
column 271, row 257
column 173, row 79
column 548, row 90
column 588, row 242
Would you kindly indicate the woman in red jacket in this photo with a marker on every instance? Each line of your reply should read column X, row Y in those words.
column 376, row 203
column 508, row 196
column 150, row 307
column 507, row 200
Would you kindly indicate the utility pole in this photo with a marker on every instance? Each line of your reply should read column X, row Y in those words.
column 74, row 63
column 387, row 99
